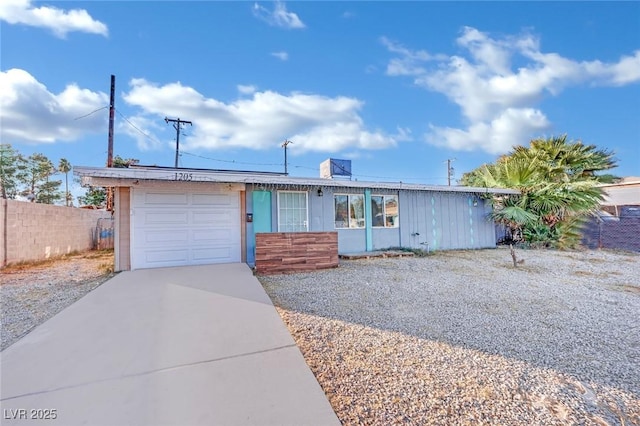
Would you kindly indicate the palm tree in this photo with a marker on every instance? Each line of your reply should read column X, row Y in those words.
column 65, row 167
column 557, row 184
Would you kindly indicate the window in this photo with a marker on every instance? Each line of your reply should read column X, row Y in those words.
column 292, row 211
column 384, row 211
column 349, row 211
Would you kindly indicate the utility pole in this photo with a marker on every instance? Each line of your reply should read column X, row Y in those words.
column 176, row 125
column 284, row 145
column 449, row 170
column 112, row 107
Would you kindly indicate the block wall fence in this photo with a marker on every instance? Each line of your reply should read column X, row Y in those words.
column 30, row 231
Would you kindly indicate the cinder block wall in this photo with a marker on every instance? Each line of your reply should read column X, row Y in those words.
column 31, row 231
column 285, row 252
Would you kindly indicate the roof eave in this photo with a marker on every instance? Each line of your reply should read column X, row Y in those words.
column 126, row 176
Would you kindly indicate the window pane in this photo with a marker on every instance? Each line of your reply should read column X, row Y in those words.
column 341, row 209
column 377, row 210
column 391, row 211
column 292, row 214
column 356, row 207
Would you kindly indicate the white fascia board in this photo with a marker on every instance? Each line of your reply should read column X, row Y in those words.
column 102, row 176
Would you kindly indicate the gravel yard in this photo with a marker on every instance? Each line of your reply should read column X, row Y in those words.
column 31, row 294
column 463, row 338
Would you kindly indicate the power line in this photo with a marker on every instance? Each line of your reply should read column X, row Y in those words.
column 92, row 112
column 317, row 169
column 232, row 161
column 247, row 163
column 137, row 128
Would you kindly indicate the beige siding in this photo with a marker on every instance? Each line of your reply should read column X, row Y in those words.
column 123, row 229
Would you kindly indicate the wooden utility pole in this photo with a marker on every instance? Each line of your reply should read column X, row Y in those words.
column 176, row 125
column 284, row 145
column 449, row 170
column 112, row 107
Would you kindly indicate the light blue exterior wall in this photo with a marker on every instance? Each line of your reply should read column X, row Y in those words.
column 442, row 220
column 428, row 220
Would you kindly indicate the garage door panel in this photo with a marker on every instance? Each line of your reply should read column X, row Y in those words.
column 213, row 255
column 181, row 199
column 166, row 217
column 187, row 228
column 215, row 236
column 216, row 218
column 166, row 256
column 222, row 200
column 161, row 236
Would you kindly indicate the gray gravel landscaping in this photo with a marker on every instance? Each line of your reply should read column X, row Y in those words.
column 31, row 294
column 462, row 337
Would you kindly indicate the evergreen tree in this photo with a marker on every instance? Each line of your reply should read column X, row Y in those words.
column 8, row 171
column 34, row 173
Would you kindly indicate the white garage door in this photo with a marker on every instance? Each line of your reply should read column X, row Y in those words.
column 184, row 228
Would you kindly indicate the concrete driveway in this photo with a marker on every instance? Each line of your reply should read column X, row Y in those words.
column 200, row 345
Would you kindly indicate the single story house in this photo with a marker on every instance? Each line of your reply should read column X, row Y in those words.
column 177, row 216
column 617, row 196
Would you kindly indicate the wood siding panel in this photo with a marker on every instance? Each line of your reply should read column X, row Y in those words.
column 286, row 252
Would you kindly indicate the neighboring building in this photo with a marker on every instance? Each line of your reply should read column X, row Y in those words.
column 625, row 193
column 617, row 225
column 173, row 217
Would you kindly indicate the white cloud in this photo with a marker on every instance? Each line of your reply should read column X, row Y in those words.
column 29, row 112
column 497, row 101
column 57, row 20
column 495, row 136
column 313, row 122
column 247, row 89
column 144, row 130
column 409, row 62
column 283, row 56
column 278, row 17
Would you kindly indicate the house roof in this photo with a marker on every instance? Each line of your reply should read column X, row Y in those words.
column 626, row 192
column 102, row 176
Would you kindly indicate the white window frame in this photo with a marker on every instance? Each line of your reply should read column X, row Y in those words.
column 306, row 207
column 349, row 211
column 384, row 211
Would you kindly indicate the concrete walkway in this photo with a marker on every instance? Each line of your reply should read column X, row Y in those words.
column 200, row 345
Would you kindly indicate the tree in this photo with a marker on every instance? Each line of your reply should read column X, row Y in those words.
column 123, row 163
column 34, row 173
column 8, row 171
column 95, row 196
column 558, row 188
column 65, row 167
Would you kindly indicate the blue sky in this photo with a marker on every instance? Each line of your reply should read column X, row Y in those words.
column 397, row 87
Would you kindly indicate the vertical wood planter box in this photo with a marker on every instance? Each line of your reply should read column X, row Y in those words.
column 287, row 252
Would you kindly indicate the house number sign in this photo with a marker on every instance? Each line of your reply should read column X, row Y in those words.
column 184, row 177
